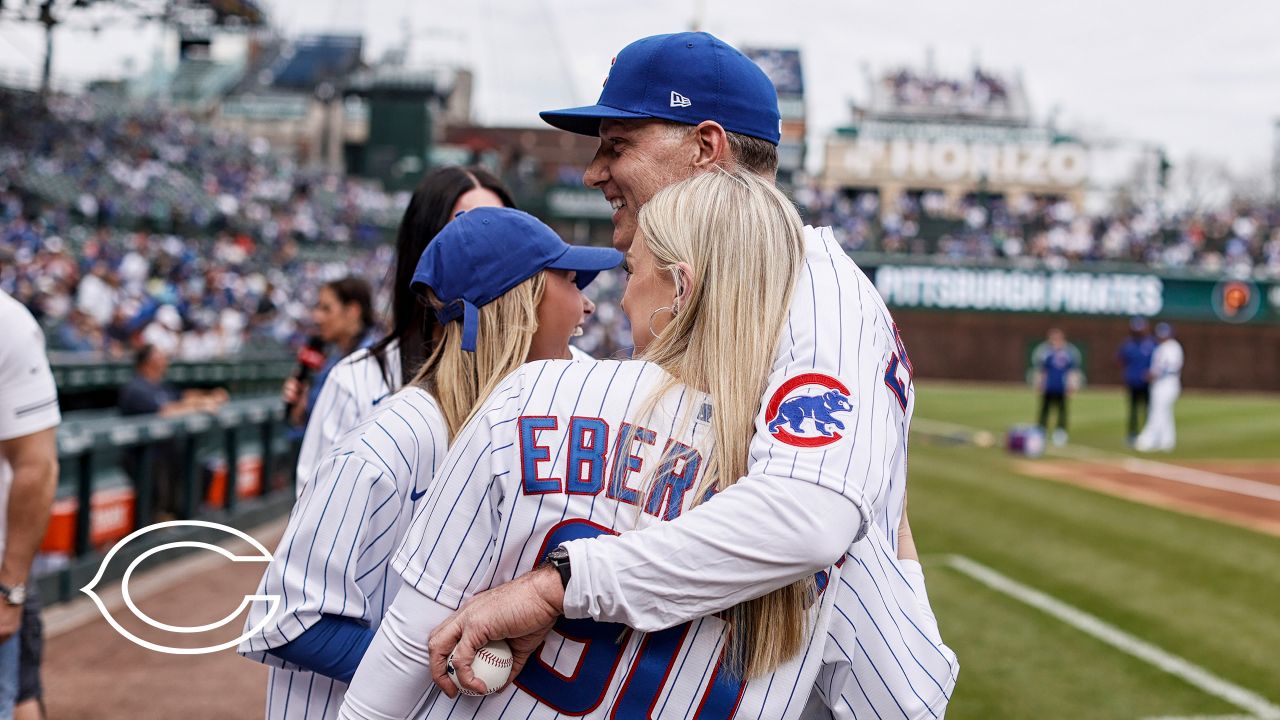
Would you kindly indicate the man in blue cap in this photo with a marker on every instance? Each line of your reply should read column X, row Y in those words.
column 673, row 106
column 1135, row 357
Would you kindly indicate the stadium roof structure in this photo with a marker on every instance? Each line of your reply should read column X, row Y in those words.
column 314, row 59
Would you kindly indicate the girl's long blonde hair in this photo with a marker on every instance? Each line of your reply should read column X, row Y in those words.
column 743, row 240
column 458, row 379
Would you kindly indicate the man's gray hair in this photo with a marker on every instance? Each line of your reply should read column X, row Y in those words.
column 749, row 153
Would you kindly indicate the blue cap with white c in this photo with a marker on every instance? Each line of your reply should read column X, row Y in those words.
column 486, row 252
column 685, row 78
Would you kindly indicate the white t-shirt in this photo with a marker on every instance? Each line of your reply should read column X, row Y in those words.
column 28, row 397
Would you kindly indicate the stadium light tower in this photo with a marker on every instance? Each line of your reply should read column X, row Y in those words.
column 1275, row 160
column 53, row 13
column 47, row 20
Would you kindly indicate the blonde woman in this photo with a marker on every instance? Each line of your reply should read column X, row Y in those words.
column 563, row 451
column 505, row 289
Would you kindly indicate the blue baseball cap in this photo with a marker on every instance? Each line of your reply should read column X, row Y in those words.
column 487, row 251
column 686, row 78
column 1164, row 330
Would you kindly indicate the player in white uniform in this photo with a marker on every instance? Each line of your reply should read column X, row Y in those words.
column 575, row 450
column 355, row 386
column 1160, row 432
column 674, row 106
column 331, row 568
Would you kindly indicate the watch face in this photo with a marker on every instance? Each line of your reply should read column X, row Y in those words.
column 17, row 595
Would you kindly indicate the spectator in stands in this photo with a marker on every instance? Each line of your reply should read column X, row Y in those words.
column 29, row 419
column 164, row 332
column 355, row 385
column 1057, row 366
column 1135, row 357
column 343, row 318
column 147, row 393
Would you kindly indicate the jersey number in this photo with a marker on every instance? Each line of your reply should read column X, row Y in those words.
column 898, row 386
column 602, row 649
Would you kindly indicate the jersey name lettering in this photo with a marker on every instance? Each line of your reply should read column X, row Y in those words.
column 595, row 462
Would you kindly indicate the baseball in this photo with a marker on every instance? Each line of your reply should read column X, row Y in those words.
column 492, row 665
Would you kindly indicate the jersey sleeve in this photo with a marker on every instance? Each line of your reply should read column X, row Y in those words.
column 321, row 557
column 883, row 655
column 838, row 339
column 28, row 396
column 394, row 676
column 449, row 550
column 335, row 412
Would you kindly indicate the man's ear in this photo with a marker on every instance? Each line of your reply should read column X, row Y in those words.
column 712, row 145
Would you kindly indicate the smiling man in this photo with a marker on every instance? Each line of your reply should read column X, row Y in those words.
column 823, row 472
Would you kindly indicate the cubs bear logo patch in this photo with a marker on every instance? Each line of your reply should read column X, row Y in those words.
column 808, row 411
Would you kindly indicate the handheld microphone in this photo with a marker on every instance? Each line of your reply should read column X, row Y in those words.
column 310, row 359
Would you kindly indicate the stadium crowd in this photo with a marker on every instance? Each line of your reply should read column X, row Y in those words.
column 980, row 93
column 1244, row 239
column 120, row 227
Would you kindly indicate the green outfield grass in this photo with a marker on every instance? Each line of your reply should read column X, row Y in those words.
column 1205, row 591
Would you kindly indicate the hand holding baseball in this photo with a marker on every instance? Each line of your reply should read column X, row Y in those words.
column 521, row 611
column 491, row 666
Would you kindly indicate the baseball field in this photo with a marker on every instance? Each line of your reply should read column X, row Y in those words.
column 1094, row 582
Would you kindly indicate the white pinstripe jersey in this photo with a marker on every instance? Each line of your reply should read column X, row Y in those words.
column 352, row 390
column 334, row 556
column 564, row 450
column 840, row 335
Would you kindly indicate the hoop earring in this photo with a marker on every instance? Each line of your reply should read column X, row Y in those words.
column 655, row 312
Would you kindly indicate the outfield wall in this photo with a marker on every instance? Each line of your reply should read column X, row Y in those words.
column 979, row 323
column 994, row 347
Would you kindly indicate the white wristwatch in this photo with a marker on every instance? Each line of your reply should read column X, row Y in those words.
column 15, row 595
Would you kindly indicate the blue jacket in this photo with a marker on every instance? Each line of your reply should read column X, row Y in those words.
column 1136, row 357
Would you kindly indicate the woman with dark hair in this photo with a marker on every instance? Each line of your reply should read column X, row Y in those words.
column 440, row 196
column 344, row 320
column 357, row 384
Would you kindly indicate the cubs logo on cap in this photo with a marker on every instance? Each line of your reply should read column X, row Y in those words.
column 808, row 411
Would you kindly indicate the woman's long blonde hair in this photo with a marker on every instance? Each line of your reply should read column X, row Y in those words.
column 743, row 240
column 458, row 379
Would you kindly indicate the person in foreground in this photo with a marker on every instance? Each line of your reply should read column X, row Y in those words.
column 565, row 450
column 506, row 290
column 828, row 461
